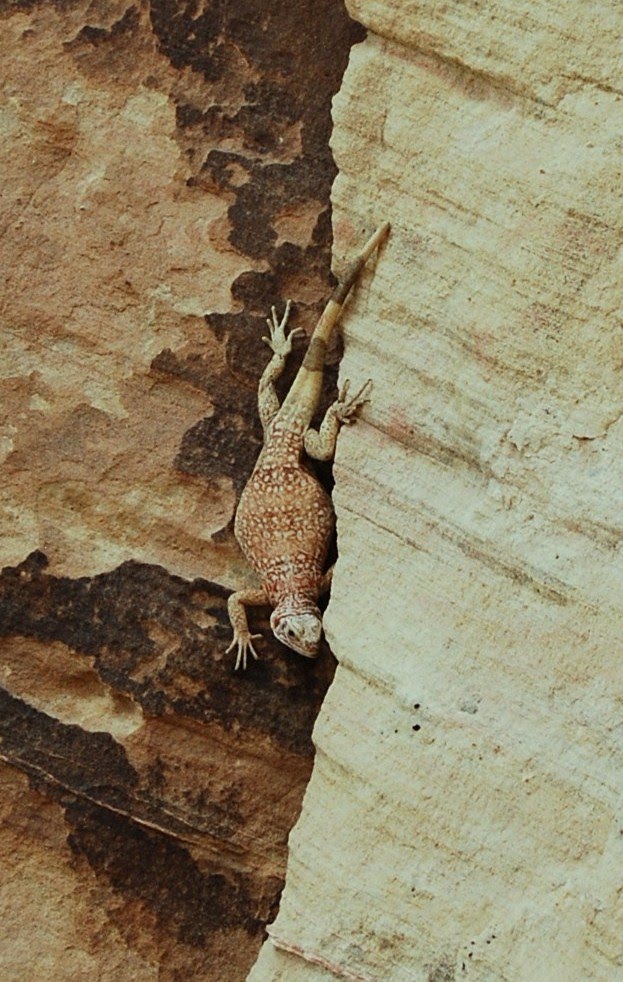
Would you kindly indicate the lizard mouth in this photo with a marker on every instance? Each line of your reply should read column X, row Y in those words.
column 300, row 650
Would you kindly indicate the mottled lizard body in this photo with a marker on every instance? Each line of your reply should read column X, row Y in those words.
column 285, row 520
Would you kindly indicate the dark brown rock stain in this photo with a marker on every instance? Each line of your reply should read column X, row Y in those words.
column 293, row 74
column 113, row 616
column 126, row 822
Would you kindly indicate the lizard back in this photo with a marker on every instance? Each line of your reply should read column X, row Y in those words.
column 285, row 519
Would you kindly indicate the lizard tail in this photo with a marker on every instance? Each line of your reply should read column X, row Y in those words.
column 314, row 359
column 343, row 289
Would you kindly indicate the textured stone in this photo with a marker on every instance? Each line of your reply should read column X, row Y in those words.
column 463, row 817
column 165, row 179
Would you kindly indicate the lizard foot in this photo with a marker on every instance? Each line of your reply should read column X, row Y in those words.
column 345, row 408
column 244, row 640
column 278, row 342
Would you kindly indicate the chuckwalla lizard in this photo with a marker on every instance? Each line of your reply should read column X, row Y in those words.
column 285, row 518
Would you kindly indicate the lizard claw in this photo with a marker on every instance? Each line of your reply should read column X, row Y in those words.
column 278, row 342
column 345, row 408
column 245, row 644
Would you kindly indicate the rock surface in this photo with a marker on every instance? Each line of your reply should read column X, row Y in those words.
column 463, row 818
column 165, row 179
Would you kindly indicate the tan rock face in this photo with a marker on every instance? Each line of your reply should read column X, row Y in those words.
column 463, row 817
column 130, row 207
column 165, row 179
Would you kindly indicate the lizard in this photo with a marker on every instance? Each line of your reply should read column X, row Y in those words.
column 285, row 520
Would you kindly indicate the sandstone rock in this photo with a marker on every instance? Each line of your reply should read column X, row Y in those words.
column 463, row 817
column 165, row 179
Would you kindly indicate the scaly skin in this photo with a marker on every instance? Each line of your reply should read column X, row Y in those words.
column 285, row 519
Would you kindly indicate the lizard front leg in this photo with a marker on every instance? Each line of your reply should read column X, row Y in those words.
column 325, row 583
column 281, row 346
column 320, row 444
column 238, row 617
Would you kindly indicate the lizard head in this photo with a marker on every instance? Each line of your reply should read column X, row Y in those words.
column 297, row 623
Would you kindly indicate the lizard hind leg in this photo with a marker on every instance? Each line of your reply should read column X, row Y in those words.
column 278, row 341
column 280, row 344
column 320, row 444
column 345, row 408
